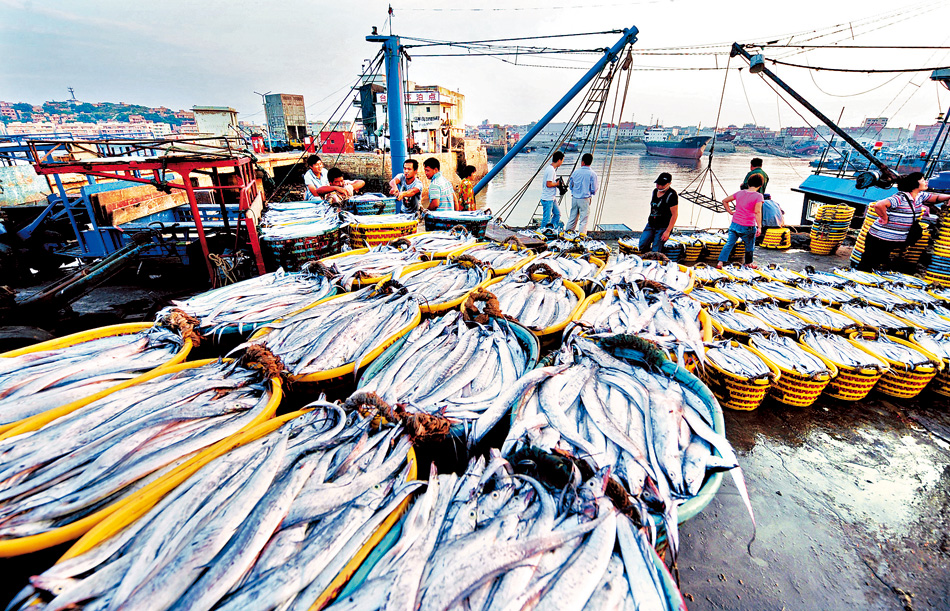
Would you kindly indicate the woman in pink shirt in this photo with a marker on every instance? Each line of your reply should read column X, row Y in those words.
column 746, row 220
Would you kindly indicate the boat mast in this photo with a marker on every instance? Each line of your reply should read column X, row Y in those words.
column 756, row 65
column 394, row 100
column 610, row 55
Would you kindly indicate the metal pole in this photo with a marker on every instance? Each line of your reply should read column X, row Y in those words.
column 270, row 141
column 611, row 54
column 394, row 101
column 886, row 171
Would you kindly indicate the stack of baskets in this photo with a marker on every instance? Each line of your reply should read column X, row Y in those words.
column 777, row 238
column 938, row 271
column 292, row 253
column 830, row 228
column 674, row 249
column 858, row 249
column 367, row 235
column 476, row 223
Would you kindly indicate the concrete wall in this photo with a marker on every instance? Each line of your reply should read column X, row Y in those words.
column 19, row 184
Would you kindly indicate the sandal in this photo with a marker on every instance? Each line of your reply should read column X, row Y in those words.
column 719, row 265
column 752, row 266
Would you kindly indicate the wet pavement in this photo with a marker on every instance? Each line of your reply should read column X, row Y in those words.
column 851, row 501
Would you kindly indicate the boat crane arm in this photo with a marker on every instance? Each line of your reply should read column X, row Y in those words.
column 888, row 175
column 610, row 55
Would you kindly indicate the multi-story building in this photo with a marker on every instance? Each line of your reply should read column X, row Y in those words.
column 7, row 111
column 436, row 115
column 286, row 117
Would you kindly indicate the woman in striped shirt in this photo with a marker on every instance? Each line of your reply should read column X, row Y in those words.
column 896, row 215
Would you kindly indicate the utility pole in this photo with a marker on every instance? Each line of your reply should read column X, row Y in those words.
column 270, row 141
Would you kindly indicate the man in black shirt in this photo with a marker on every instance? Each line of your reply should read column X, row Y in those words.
column 663, row 212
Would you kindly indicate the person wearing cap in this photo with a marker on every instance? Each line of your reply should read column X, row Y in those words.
column 664, row 205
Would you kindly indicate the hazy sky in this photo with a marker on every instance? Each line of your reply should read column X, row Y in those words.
column 180, row 53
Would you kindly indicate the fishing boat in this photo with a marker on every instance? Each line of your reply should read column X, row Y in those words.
column 687, row 148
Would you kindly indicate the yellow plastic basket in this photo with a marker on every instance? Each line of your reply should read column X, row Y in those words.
column 902, row 381
column 33, row 543
column 735, row 391
column 793, row 388
column 852, row 383
column 778, row 238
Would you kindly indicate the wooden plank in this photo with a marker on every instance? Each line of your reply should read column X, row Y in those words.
column 125, row 205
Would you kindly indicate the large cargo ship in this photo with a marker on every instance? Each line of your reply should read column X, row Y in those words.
column 687, row 148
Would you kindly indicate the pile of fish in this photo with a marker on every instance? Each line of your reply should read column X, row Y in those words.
column 710, row 299
column 499, row 256
column 822, row 316
column 463, row 371
column 826, row 278
column 574, row 268
column 738, row 360
column 708, row 275
column 672, row 321
column 743, row 292
column 783, row 292
column 913, row 294
column 376, row 262
column 33, row 383
column 882, row 346
column 936, row 344
column 106, row 451
column 579, row 244
column 900, row 279
column 741, row 273
column 268, row 525
column 839, row 350
column 536, row 304
column 444, row 282
column 858, row 276
column 492, row 540
column 736, row 320
column 826, row 293
column 873, row 316
column 340, row 330
column 654, row 434
column 250, row 303
column 627, row 269
column 788, row 354
column 289, row 220
column 776, row 318
column 875, row 296
column 441, row 241
column 925, row 318
column 780, row 274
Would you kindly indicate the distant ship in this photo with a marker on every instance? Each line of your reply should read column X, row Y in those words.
column 687, row 148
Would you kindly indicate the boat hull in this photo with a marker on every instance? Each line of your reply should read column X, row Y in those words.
column 690, row 148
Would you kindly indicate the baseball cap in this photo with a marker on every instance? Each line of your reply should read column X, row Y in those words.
column 664, row 179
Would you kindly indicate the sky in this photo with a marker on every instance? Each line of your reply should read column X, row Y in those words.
column 180, row 53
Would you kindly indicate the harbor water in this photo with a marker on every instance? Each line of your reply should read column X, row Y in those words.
column 628, row 190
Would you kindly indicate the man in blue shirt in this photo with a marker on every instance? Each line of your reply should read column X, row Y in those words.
column 441, row 192
column 407, row 187
column 583, row 185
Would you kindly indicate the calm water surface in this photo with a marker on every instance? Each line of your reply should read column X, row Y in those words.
column 627, row 196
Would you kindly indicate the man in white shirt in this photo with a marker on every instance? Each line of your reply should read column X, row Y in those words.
column 315, row 180
column 550, row 213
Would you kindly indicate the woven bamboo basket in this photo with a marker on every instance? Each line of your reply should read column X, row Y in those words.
column 735, row 391
column 777, row 238
column 902, row 381
column 793, row 388
column 365, row 235
column 852, row 383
